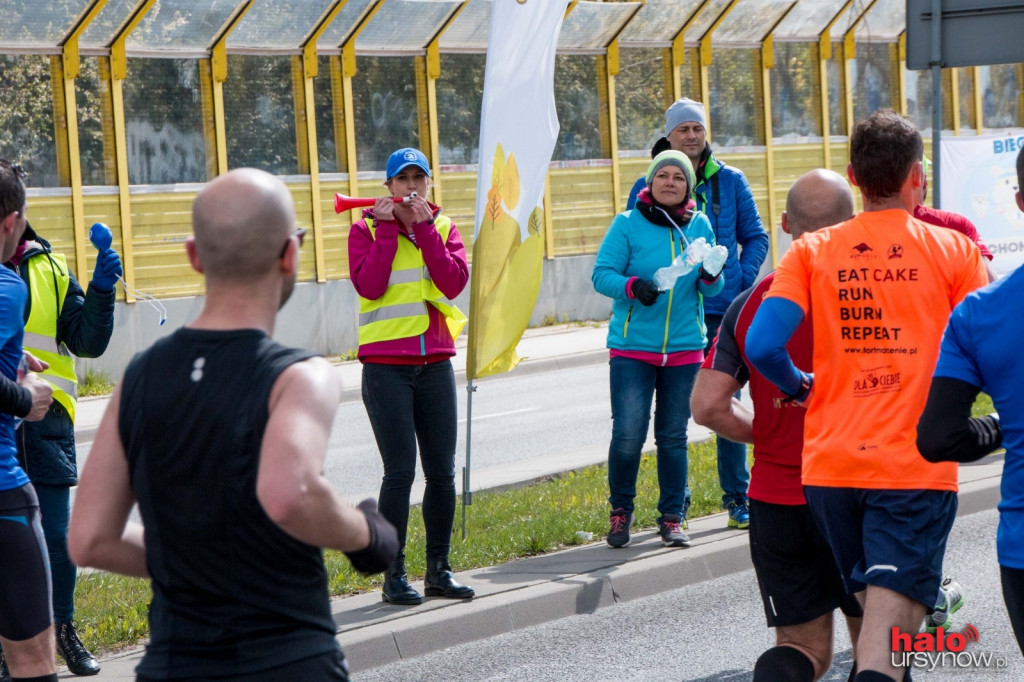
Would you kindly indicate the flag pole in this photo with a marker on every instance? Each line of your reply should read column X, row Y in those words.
column 467, row 496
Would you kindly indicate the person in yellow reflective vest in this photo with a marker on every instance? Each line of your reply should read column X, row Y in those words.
column 61, row 321
column 407, row 262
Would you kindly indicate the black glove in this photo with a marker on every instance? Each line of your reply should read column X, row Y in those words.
column 383, row 547
column 645, row 292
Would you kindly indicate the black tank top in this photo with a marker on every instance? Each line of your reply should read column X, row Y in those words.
column 232, row 592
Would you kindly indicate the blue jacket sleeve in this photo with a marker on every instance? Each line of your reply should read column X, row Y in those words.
column 637, row 186
column 750, row 235
column 609, row 276
column 774, row 324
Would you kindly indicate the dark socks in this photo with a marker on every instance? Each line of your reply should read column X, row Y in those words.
column 783, row 664
column 872, row 676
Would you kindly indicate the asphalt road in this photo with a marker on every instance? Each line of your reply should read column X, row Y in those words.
column 548, row 413
column 707, row 632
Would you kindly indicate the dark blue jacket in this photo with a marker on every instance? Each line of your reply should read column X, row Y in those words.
column 736, row 222
column 46, row 448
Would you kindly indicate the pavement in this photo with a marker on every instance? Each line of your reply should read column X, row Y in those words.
column 530, row 591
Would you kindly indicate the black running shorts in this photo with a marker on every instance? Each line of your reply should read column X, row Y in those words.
column 795, row 569
column 25, row 608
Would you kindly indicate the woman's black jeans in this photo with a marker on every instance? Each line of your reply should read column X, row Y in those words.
column 409, row 404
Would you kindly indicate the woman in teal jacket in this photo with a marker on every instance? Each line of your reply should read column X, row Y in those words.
column 656, row 340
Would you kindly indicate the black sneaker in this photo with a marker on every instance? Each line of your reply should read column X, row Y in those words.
column 671, row 531
column 619, row 522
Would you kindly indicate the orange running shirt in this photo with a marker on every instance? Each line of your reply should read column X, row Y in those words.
column 881, row 286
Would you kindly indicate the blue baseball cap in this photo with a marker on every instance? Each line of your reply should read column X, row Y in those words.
column 406, row 157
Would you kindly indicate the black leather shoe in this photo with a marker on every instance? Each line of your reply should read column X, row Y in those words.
column 441, row 583
column 79, row 660
column 397, row 589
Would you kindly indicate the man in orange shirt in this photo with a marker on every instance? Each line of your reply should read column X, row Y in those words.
column 881, row 286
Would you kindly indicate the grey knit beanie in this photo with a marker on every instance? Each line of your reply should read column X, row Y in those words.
column 683, row 110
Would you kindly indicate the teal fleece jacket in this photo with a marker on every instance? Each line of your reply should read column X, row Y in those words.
column 636, row 247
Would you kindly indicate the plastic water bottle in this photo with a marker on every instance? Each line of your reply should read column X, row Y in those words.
column 665, row 278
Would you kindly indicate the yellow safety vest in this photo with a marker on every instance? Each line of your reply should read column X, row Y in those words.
column 402, row 311
column 48, row 284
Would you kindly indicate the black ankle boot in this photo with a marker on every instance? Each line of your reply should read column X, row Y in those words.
column 441, row 583
column 397, row 589
column 79, row 660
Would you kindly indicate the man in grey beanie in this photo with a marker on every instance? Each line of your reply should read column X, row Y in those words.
column 723, row 194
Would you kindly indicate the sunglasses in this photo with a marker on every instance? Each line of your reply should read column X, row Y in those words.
column 299, row 234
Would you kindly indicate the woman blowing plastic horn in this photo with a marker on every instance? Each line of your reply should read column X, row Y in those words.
column 656, row 337
column 407, row 262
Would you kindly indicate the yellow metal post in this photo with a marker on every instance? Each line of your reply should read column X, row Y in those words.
column 70, row 67
column 849, row 53
column 433, row 72
column 549, row 222
column 901, row 72
column 705, row 59
column 219, row 68
column 60, row 137
column 608, row 126
column 338, row 117
column 348, row 71
column 118, row 72
column 308, row 143
column 979, row 123
column 302, row 151
column 954, row 98
column 824, row 54
column 348, row 60
column 767, row 62
column 678, row 54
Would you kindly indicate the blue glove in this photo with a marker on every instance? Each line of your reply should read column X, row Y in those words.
column 108, row 269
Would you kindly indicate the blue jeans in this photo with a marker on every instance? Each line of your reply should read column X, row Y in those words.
column 733, row 470
column 54, row 512
column 633, row 386
column 409, row 404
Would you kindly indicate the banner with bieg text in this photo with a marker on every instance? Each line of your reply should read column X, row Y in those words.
column 979, row 179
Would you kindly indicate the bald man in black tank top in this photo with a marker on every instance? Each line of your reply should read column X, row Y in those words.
column 220, row 434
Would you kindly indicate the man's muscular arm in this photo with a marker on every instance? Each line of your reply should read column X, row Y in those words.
column 290, row 484
column 99, row 534
column 713, row 406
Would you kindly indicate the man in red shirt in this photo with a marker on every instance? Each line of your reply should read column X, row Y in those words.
column 954, row 221
column 799, row 581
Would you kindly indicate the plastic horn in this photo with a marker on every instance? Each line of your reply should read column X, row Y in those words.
column 343, row 203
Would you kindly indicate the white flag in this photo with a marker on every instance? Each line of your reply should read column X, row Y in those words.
column 518, row 130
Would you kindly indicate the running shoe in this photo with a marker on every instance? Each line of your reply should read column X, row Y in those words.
column 739, row 515
column 671, row 531
column 619, row 522
column 951, row 598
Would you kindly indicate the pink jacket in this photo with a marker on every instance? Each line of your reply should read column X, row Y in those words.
column 369, row 267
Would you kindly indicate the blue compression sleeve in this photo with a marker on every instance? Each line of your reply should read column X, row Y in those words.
column 774, row 324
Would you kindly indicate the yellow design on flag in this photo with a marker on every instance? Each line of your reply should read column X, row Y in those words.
column 518, row 130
